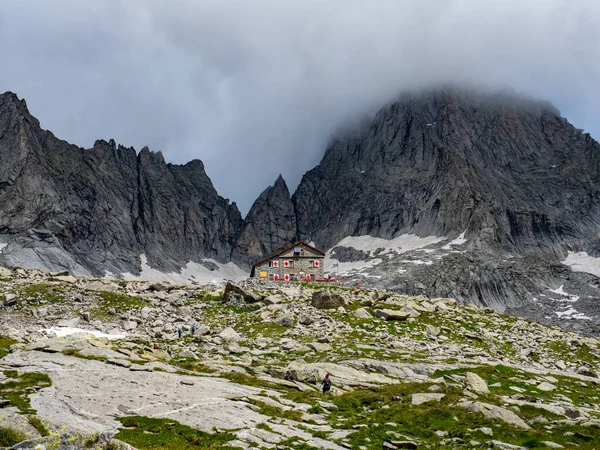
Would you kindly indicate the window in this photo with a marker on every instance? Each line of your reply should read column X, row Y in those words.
column 315, row 263
column 288, row 263
column 273, row 263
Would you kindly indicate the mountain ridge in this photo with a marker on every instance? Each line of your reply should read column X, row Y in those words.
column 507, row 174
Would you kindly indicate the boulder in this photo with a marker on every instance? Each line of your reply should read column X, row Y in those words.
column 202, row 330
column 286, row 321
column 10, row 300
column 496, row 413
column 391, row 314
column 235, row 292
column 305, row 319
column 300, row 372
column 420, row 398
column 320, row 347
column 145, row 312
column 362, row 313
column 476, row 384
column 129, row 325
column 272, row 300
column 433, row 331
column 229, row 334
column 327, row 300
column 65, row 279
column 158, row 287
column 188, row 354
column 546, row 387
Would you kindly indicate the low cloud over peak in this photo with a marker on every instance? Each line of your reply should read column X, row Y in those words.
column 255, row 89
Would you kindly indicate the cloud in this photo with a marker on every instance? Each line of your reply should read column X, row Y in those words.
column 255, row 88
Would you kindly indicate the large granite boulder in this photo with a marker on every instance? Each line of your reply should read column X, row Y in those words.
column 327, row 300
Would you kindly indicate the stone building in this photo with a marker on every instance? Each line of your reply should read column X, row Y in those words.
column 298, row 262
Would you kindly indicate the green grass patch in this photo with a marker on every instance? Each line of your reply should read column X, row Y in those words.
column 41, row 293
column 388, row 412
column 5, row 343
column 146, row 433
column 191, row 365
column 10, row 437
column 248, row 380
column 16, row 391
column 274, row 411
column 38, row 425
column 120, row 302
column 77, row 354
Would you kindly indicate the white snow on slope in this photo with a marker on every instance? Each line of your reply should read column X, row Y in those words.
column 333, row 267
column 368, row 244
column 2, row 247
column 400, row 244
column 68, row 331
column 458, row 241
column 571, row 313
column 560, row 291
column 582, row 262
column 192, row 272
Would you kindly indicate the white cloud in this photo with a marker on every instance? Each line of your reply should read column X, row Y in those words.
column 255, row 88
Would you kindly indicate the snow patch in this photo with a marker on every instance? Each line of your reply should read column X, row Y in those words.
column 68, row 331
column 460, row 240
column 417, row 262
column 560, row 291
column 2, row 247
column 571, row 313
column 191, row 273
column 344, row 268
column 401, row 244
column 369, row 244
column 582, row 262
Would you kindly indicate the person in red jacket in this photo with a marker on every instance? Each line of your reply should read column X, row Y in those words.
column 326, row 384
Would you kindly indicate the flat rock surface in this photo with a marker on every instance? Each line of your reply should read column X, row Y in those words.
column 88, row 394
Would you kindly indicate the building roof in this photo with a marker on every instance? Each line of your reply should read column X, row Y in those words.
column 274, row 255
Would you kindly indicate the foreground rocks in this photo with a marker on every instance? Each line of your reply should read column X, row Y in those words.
column 254, row 363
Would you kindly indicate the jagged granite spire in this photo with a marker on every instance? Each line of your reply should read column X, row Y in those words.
column 97, row 210
column 269, row 226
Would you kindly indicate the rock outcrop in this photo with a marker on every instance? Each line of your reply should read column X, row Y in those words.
column 508, row 170
column 269, row 226
column 97, row 210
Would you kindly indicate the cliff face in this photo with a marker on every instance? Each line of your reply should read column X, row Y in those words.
column 507, row 170
column 98, row 210
column 270, row 225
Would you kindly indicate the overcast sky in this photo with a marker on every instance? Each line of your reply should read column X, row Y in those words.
column 254, row 88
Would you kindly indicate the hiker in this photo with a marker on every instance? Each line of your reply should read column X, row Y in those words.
column 169, row 351
column 193, row 329
column 155, row 346
column 288, row 376
column 326, row 384
column 180, row 332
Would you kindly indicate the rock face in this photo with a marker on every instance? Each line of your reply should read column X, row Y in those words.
column 508, row 170
column 327, row 300
column 269, row 226
column 98, row 210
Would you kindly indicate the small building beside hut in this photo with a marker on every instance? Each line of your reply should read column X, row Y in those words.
column 298, row 262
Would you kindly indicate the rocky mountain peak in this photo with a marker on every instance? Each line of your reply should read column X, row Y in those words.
column 499, row 166
column 14, row 111
column 269, row 225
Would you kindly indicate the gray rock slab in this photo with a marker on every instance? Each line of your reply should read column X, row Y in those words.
column 86, row 395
